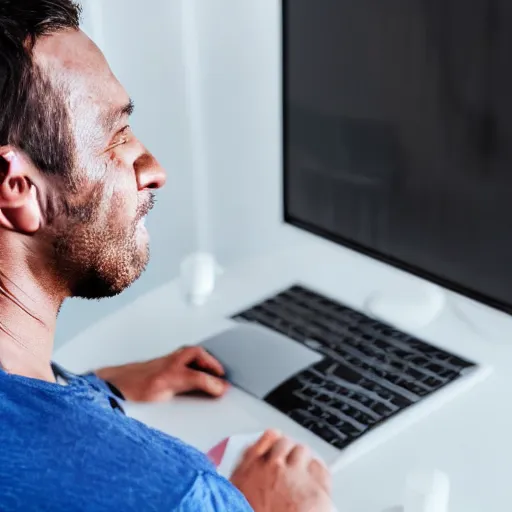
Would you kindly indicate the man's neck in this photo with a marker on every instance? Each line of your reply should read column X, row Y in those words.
column 28, row 315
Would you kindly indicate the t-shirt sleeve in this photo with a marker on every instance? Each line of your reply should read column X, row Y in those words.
column 102, row 385
column 213, row 493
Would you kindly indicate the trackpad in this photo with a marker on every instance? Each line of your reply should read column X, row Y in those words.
column 258, row 359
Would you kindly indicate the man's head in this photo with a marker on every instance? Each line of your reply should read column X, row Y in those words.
column 75, row 183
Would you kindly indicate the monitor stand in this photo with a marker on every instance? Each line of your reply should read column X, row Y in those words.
column 409, row 306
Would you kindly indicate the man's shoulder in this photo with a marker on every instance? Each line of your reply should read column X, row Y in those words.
column 78, row 441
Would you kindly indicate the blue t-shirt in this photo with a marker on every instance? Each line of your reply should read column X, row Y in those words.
column 70, row 448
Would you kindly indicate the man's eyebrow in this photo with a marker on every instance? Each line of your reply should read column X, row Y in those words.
column 117, row 114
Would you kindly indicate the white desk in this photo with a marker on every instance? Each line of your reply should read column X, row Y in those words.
column 468, row 438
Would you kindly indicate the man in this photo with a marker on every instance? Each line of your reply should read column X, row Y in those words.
column 75, row 186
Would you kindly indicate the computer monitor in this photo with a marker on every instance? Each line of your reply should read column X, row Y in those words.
column 398, row 134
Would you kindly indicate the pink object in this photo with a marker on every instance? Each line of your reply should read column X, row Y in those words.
column 227, row 454
column 217, row 452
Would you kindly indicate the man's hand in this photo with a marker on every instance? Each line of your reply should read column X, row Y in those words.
column 277, row 474
column 161, row 379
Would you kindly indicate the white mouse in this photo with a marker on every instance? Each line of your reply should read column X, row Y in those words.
column 407, row 309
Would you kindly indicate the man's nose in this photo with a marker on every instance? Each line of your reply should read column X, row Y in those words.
column 150, row 174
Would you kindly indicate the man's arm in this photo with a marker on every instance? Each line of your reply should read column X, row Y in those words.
column 161, row 379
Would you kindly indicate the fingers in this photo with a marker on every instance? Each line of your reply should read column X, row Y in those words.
column 274, row 448
column 200, row 381
column 285, row 451
column 280, row 450
column 262, row 446
column 206, row 360
column 319, row 471
column 299, row 456
column 200, row 356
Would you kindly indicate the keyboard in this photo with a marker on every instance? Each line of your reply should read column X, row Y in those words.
column 369, row 373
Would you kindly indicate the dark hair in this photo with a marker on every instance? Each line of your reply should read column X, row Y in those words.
column 33, row 112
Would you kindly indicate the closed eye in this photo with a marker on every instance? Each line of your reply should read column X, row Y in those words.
column 121, row 138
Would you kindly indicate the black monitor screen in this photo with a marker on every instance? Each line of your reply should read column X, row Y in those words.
column 398, row 134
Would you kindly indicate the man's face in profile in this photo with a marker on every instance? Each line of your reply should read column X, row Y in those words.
column 100, row 242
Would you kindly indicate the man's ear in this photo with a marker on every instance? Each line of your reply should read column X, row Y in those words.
column 19, row 207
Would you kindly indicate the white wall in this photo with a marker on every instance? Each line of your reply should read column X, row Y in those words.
column 240, row 50
column 143, row 47
column 238, row 44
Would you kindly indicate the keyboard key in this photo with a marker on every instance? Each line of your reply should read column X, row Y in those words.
column 432, row 382
column 381, row 409
column 326, row 399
